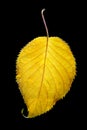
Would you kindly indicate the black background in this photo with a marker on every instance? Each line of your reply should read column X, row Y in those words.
column 63, row 20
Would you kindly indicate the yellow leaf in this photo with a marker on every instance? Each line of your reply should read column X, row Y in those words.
column 44, row 73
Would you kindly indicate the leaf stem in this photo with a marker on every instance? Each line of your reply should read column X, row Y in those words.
column 44, row 21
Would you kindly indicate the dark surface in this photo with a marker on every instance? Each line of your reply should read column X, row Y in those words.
column 63, row 20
